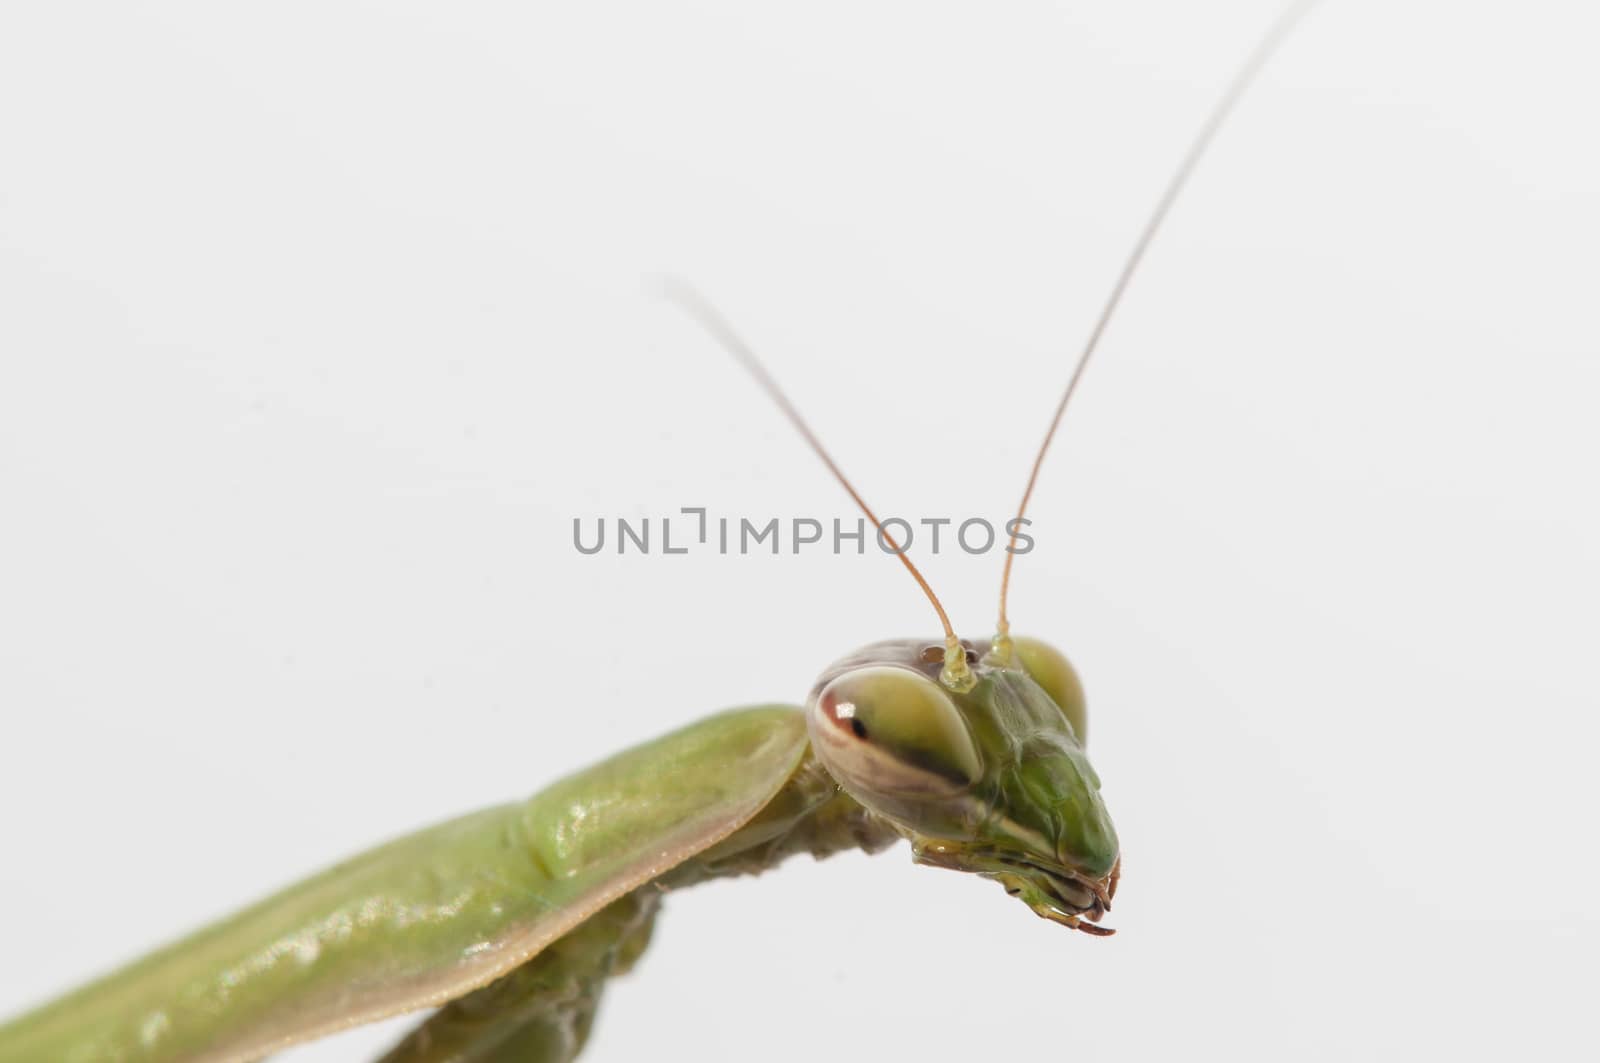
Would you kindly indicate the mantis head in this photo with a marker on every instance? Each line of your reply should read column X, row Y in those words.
column 993, row 780
column 978, row 756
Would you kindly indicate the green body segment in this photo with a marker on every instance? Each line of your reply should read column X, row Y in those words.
column 542, row 1011
column 431, row 917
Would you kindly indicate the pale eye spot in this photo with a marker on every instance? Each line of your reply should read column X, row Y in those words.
column 845, row 713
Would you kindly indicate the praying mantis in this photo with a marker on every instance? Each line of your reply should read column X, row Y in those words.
column 978, row 650
column 510, row 920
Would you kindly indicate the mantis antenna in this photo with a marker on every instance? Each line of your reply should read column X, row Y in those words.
column 956, row 674
column 1264, row 50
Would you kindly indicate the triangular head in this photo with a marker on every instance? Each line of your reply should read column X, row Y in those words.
column 994, row 780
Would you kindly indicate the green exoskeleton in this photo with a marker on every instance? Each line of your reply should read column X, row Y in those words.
column 508, row 921
column 514, row 916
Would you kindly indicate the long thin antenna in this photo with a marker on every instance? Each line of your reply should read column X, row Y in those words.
column 956, row 674
column 1258, row 58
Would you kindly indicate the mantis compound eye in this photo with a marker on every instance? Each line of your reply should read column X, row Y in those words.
column 886, row 730
column 1050, row 668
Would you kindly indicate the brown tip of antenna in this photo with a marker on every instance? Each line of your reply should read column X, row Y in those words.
column 1235, row 91
column 956, row 674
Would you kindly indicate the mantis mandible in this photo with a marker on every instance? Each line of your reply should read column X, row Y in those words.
column 510, row 920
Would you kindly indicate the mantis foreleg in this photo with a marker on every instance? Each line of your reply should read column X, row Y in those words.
column 542, row 1011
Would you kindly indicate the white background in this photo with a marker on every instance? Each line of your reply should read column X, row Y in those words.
column 320, row 322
